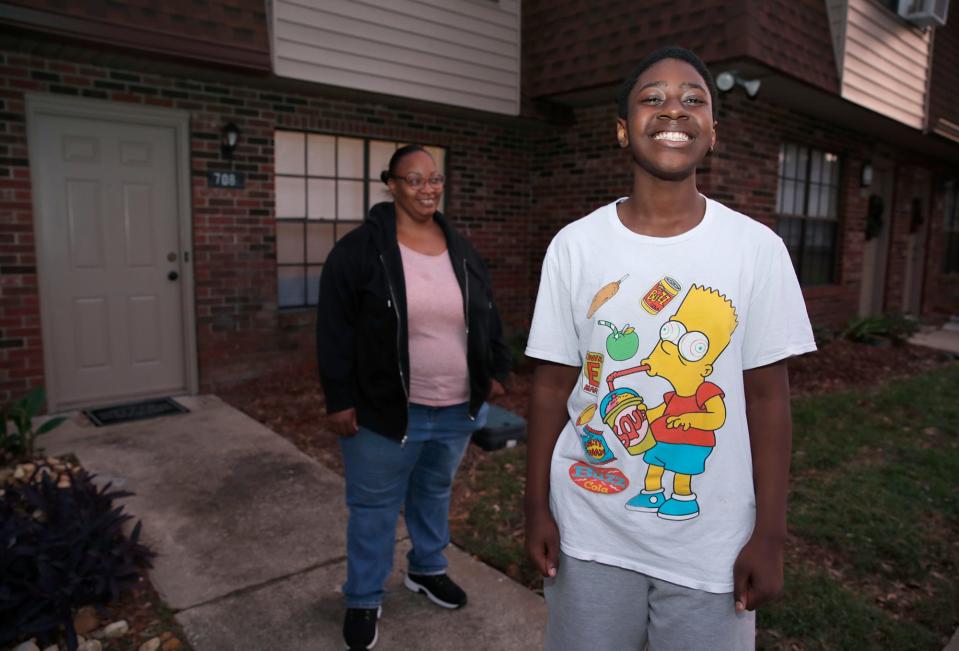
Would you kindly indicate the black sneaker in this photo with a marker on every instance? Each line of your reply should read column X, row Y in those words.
column 360, row 628
column 438, row 587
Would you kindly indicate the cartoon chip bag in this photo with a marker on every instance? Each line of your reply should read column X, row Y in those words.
column 684, row 425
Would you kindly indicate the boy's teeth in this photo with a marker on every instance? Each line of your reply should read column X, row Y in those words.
column 676, row 136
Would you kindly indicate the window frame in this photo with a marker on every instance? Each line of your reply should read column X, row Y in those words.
column 805, row 218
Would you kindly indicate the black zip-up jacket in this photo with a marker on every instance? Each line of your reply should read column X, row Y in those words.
column 362, row 338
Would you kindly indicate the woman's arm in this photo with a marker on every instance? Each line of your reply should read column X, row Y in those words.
column 758, row 572
column 335, row 321
column 552, row 384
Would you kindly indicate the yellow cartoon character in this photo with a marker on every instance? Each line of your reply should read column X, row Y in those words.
column 684, row 424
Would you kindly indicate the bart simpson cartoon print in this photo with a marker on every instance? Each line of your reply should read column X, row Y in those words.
column 684, row 424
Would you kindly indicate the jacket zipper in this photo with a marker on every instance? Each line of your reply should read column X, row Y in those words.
column 466, row 319
column 399, row 357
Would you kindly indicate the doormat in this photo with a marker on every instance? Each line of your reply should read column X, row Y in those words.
column 134, row 411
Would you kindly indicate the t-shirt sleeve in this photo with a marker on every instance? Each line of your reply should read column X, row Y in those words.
column 706, row 391
column 777, row 326
column 552, row 334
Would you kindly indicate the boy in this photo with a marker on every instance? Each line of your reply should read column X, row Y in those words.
column 713, row 298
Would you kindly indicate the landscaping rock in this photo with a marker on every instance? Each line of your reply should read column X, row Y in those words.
column 150, row 645
column 116, row 629
column 90, row 645
column 86, row 620
column 52, row 647
column 29, row 645
column 173, row 644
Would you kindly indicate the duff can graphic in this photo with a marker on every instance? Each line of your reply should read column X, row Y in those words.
column 660, row 295
column 594, row 443
column 592, row 370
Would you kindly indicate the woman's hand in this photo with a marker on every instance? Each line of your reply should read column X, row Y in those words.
column 495, row 390
column 344, row 422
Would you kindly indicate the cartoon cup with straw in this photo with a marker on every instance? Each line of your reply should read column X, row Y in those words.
column 624, row 412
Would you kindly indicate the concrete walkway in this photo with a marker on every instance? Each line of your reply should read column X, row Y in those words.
column 945, row 339
column 250, row 534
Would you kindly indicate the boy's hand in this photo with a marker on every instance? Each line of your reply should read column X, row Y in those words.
column 496, row 390
column 542, row 541
column 677, row 422
column 758, row 572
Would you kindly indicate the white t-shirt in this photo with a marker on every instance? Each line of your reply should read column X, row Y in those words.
column 663, row 328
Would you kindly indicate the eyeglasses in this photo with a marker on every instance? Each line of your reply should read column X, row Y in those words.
column 416, row 181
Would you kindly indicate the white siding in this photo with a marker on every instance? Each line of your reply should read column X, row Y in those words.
column 885, row 63
column 460, row 52
column 837, row 11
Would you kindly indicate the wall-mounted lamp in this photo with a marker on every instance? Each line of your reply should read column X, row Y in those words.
column 865, row 176
column 231, row 136
column 729, row 79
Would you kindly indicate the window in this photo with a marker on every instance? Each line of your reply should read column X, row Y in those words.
column 951, row 265
column 325, row 185
column 807, row 204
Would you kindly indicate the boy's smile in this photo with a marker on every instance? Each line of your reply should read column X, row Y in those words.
column 669, row 128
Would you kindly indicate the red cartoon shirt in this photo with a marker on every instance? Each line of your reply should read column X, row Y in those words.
column 679, row 405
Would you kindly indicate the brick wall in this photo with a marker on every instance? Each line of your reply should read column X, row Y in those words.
column 240, row 332
column 571, row 45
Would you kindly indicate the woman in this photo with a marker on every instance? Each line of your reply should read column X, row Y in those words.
column 410, row 347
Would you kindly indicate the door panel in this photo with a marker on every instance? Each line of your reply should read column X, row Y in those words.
column 109, row 227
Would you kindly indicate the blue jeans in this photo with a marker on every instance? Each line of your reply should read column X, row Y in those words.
column 382, row 476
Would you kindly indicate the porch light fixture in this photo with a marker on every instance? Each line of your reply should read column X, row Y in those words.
column 865, row 177
column 729, row 79
column 231, row 136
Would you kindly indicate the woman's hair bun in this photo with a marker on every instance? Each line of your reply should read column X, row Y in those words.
column 385, row 176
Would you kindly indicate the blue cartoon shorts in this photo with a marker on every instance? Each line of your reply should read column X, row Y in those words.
column 679, row 457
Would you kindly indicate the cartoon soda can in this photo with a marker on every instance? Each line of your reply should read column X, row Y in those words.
column 594, row 443
column 624, row 412
column 660, row 295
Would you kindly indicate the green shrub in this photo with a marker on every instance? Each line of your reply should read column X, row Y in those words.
column 895, row 328
column 18, row 441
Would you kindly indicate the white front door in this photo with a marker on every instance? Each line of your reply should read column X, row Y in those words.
column 875, row 250
column 111, row 261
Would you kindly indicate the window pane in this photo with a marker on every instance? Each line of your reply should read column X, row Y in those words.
column 818, row 256
column 319, row 241
column 342, row 228
column 289, row 242
column 378, row 193
column 815, row 171
column 290, row 197
column 322, row 198
column 789, row 153
column 789, row 198
column 349, row 160
column 802, row 157
column 313, row 284
column 832, row 161
column 815, row 192
column 289, row 152
column 321, row 155
column 380, row 153
column 290, row 287
column 349, row 200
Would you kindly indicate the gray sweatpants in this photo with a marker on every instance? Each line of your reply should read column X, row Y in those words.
column 594, row 607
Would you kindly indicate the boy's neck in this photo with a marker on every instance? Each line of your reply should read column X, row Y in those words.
column 660, row 208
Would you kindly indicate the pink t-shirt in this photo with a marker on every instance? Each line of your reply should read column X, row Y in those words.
column 439, row 376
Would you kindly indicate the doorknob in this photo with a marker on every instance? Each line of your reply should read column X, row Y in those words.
column 173, row 275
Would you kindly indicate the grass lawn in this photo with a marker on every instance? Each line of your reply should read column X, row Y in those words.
column 873, row 555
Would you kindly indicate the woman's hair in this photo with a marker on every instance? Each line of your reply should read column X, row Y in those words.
column 678, row 53
column 395, row 159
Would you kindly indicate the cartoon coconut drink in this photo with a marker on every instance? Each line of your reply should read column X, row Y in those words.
column 624, row 412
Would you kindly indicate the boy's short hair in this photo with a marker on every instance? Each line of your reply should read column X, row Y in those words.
column 672, row 52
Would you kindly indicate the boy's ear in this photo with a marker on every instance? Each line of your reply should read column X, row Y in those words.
column 707, row 370
column 622, row 135
column 712, row 142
